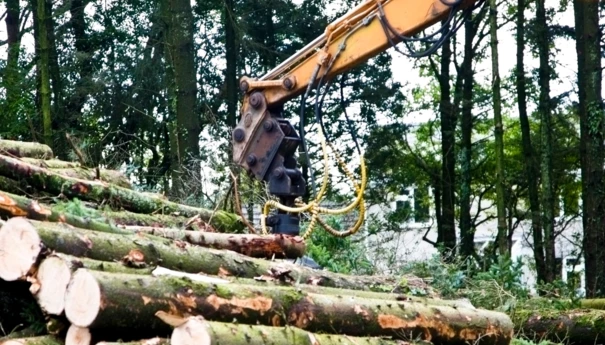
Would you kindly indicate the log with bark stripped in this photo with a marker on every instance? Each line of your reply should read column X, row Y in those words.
column 25, row 149
column 258, row 246
column 119, row 301
column 149, row 250
column 101, row 192
column 18, row 206
column 196, row 330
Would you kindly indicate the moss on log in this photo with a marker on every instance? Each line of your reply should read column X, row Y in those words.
column 103, row 300
column 19, row 149
column 595, row 303
column 258, row 246
column 109, row 176
column 126, row 218
column 197, row 331
column 50, row 163
column 18, row 206
column 41, row 340
column 100, row 192
column 577, row 326
column 152, row 341
column 150, row 250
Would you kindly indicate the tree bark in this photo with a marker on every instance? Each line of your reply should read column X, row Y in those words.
column 152, row 341
column 109, row 176
column 102, row 300
column 150, row 251
column 231, row 85
column 50, row 163
column 544, row 108
column 17, row 206
column 21, row 149
column 592, row 155
column 532, row 166
column 197, row 331
column 447, row 236
column 582, row 326
column 100, row 192
column 258, row 246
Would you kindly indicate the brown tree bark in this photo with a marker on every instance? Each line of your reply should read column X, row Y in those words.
column 102, row 300
column 592, row 154
column 12, row 80
column 583, row 326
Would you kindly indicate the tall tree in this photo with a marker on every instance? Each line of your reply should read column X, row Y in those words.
column 181, row 56
column 12, row 79
column 588, row 39
column 447, row 235
column 498, row 131
column 231, row 61
column 43, row 67
column 531, row 164
column 546, row 128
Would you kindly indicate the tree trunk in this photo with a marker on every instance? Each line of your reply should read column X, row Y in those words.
column 448, row 165
column 258, row 246
column 12, row 79
column 46, row 180
column 498, row 132
column 467, row 234
column 544, row 108
column 21, row 149
column 109, row 176
column 588, row 38
column 102, row 300
column 182, row 59
column 231, row 85
column 43, row 66
column 532, row 167
column 152, row 341
column 195, row 330
column 50, row 163
column 574, row 326
column 150, row 251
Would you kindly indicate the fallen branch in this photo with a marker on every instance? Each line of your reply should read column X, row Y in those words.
column 97, row 191
column 118, row 301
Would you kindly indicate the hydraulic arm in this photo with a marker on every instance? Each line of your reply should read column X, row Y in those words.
column 265, row 144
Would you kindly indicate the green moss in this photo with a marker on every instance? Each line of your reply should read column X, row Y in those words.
column 222, row 291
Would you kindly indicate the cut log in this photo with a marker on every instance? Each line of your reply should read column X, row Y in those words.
column 126, row 219
column 152, row 251
column 578, row 326
column 593, row 303
column 152, row 341
column 52, row 278
column 103, row 300
column 196, row 331
column 20, row 246
column 41, row 340
column 18, row 206
column 258, row 246
column 46, row 180
column 109, row 176
column 77, row 336
column 50, row 163
column 25, row 149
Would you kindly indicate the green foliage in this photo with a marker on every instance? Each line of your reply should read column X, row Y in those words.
column 342, row 255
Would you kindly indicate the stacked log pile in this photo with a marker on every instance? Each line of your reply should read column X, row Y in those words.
column 118, row 265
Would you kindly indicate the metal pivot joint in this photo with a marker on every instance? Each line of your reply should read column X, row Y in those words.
column 265, row 144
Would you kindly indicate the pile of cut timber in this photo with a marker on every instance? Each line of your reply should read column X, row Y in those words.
column 124, row 266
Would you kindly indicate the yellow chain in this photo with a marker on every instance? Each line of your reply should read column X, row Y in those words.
column 313, row 206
